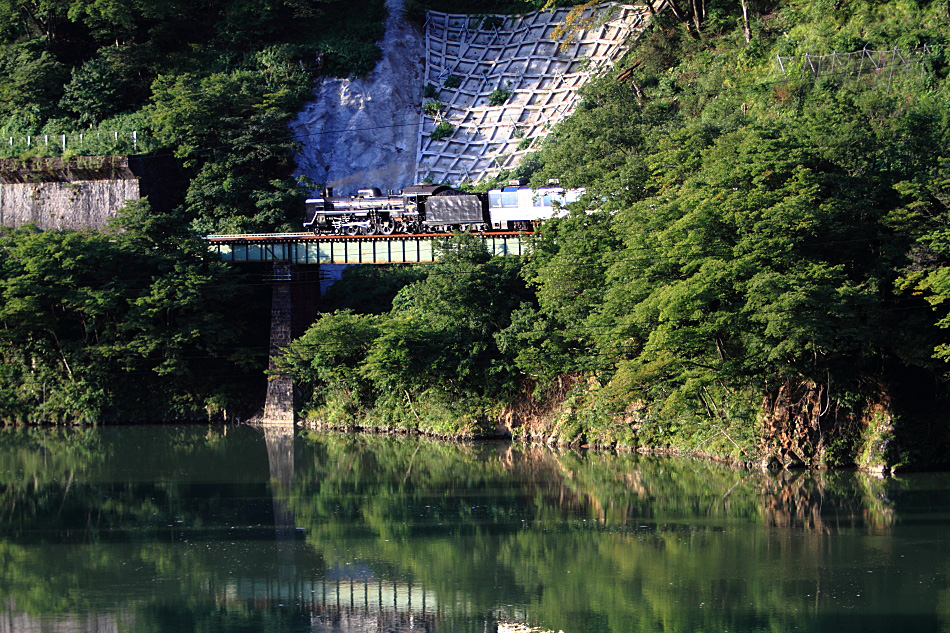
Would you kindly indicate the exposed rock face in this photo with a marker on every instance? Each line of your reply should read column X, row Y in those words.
column 365, row 132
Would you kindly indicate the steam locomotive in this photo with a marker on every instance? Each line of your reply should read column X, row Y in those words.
column 436, row 209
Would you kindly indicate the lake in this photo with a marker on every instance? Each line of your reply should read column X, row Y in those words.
column 238, row 528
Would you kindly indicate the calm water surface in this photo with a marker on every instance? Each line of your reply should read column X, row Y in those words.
column 197, row 529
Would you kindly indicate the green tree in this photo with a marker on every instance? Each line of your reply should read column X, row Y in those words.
column 95, row 92
column 42, row 19
column 229, row 129
column 435, row 352
column 566, row 267
column 442, row 337
column 31, row 83
column 125, row 325
column 327, row 362
column 370, row 289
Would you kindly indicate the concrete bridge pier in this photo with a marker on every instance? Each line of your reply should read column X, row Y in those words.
column 293, row 307
column 279, row 402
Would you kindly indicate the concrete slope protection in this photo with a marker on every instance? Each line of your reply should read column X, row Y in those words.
column 499, row 83
column 506, row 81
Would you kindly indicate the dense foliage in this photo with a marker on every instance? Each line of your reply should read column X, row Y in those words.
column 765, row 275
column 775, row 233
column 416, row 9
column 435, row 358
column 139, row 323
column 124, row 325
column 214, row 84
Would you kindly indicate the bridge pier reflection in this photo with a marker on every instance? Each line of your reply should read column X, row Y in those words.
column 352, row 597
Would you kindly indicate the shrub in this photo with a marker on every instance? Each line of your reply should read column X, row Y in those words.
column 443, row 129
column 498, row 96
column 453, row 81
column 344, row 57
column 430, row 92
column 433, row 107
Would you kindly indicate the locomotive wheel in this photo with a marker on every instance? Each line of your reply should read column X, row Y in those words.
column 386, row 228
column 352, row 230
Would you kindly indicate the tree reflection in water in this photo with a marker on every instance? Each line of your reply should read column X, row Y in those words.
column 195, row 528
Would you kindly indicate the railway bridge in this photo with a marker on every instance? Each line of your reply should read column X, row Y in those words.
column 296, row 259
column 307, row 249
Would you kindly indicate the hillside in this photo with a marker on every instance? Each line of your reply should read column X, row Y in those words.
column 215, row 85
column 140, row 323
column 764, row 279
column 776, row 274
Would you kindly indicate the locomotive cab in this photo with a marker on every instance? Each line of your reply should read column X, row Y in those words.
column 316, row 211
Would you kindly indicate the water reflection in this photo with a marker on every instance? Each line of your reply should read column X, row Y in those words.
column 827, row 501
column 195, row 528
column 279, row 440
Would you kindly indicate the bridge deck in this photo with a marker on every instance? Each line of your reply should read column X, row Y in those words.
column 306, row 248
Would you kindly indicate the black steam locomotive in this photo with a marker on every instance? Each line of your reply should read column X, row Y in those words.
column 436, row 209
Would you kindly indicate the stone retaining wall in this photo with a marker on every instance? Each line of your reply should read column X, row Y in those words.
column 82, row 192
column 65, row 205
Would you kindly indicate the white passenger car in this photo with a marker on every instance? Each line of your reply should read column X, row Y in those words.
column 519, row 208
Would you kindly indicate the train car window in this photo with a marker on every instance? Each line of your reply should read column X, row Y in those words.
column 494, row 199
column 542, row 200
column 509, row 198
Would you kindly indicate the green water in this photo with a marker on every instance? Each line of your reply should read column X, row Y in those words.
column 198, row 529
